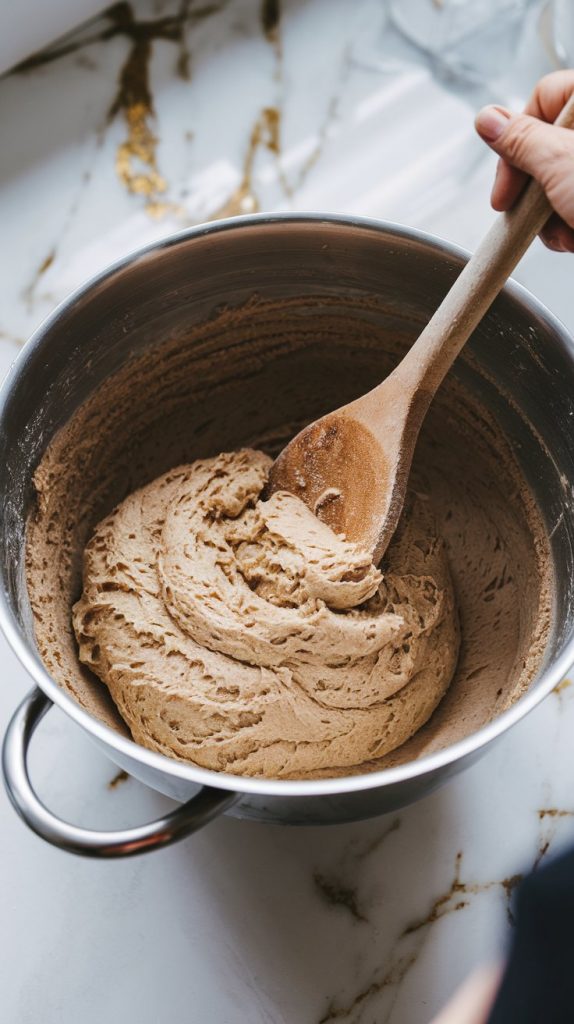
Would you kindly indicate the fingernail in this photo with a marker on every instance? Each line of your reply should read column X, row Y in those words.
column 555, row 243
column 490, row 122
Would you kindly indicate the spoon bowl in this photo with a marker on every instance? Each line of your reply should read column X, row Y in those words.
column 351, row 467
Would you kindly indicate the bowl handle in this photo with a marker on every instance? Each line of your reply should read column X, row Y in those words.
column 197, row 812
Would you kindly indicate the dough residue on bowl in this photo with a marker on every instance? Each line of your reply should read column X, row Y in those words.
column 249, row 378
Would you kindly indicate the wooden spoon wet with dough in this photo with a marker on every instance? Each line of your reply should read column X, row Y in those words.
column 351, row 467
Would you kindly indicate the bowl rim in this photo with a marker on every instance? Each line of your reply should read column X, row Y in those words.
column 427, row 764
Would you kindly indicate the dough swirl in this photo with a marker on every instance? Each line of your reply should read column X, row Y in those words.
column 245, row 636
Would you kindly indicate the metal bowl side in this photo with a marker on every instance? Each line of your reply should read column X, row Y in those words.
column 524, row 351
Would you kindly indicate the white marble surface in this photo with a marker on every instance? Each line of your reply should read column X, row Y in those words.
column 245, row 923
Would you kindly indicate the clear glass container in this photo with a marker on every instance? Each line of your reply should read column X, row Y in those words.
column 472, row 40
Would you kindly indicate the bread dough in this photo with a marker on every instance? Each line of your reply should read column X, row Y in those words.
column 246, row 636
column 251, row 376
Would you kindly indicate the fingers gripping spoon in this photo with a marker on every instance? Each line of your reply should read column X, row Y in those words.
column 351, row 467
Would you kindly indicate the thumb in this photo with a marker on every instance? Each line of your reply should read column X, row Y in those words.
column 544, row 151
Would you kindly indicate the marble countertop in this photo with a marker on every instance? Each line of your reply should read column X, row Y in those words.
column 157, row 116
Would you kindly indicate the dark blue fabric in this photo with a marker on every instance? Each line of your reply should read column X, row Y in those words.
column 538, row 985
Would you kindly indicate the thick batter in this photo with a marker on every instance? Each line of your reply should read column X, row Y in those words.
column 238, row 634
column 246, row 636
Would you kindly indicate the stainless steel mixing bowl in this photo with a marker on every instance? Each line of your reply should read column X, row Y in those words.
column 520, row 345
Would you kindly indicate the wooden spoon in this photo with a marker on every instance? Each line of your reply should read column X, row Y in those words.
column 351, row 466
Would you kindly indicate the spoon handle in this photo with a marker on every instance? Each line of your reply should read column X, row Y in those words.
column 486, row 272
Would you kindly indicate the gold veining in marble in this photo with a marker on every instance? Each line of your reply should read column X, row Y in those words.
column 120, row 777
column 46, row 262
column 330, row 117
column 550, row 819
column 54, row 53
column 509, row 885
column 317, row 151
column 244, row 199
column 404, row 955
column 136, row 156
column 392, row 978
column 270, row 18
column 337, row 894
column 136, row 161
column 564, row 685
column 266, row 132
column 456, row 897
column 339, row 878
column 360, row 853
column 120, row 21
column 84, row 61
column 554, row 812
column 13, row 338
column 336, row 886
column 544, row 847
column 29, row 292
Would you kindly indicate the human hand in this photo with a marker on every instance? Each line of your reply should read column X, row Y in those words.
column 529, row 146
column 473, row 1001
